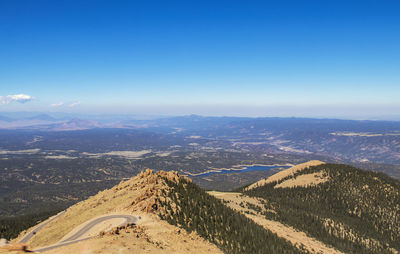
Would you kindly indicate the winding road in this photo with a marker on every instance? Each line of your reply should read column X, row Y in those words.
column 28, row 236
column 76, row 237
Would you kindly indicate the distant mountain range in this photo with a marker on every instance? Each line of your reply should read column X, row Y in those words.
column 46, row 123
column 201, row 123
column 42, row 117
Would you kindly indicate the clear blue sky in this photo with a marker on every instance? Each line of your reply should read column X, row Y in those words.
column 300, row 58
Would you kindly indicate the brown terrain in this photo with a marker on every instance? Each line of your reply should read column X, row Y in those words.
column 136, row 196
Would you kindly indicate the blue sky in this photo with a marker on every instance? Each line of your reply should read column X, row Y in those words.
column 256, row 58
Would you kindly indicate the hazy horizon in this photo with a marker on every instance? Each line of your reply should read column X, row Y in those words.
column 158, row 114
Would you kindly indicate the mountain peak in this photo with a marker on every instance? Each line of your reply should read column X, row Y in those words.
column 139, row 197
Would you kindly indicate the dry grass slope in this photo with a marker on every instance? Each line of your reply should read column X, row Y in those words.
column 304, row 180
column 241, row 202
column 285, row 173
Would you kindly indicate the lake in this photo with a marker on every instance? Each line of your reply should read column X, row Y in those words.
column 244, row 169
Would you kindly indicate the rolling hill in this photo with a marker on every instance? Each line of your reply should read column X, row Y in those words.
column 355, row 211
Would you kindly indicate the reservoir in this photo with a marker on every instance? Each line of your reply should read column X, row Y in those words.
column 241, row 170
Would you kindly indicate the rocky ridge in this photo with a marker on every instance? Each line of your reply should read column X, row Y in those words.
column 137, row 196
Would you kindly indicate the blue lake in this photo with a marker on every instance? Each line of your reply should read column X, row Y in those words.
column 245, row 169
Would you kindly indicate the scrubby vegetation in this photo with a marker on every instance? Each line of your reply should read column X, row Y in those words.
column 193, row 209
column 38, row 198
column 356, row 211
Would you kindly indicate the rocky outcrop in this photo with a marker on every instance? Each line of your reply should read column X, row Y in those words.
column 151, row 187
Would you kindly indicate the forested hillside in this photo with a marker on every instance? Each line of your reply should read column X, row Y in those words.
column 355, row 211
column 10, row 227
column 193, row 209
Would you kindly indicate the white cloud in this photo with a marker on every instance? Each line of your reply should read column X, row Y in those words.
column 21, row 98
column 74, row 104
column 3, row 100
column 57, row 104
